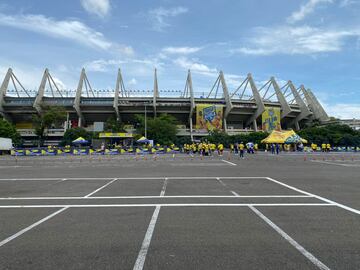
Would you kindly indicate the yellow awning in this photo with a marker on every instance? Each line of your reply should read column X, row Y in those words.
column 286, row 136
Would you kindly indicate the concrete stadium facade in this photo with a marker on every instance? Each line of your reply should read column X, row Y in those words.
column 243, row 107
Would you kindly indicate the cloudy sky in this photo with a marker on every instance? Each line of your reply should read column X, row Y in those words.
column 311, row 42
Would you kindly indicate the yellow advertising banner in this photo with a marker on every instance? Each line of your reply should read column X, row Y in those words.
column 209, row 116
column 271, row 119
column 115, row 135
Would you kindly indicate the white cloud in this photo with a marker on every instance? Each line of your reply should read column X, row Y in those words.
column 343, row 110
column 180, row 50
column 195, row 66
column 102, row 65
column 159, row 15
column 132, row 67
column 100, row 8
column 65, row 29
column 305, row 10
column 132, row 82
column 346, row 3
column 60, row 84
column 295, row 40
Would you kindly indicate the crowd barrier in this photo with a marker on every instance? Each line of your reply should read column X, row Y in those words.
column 89, row 151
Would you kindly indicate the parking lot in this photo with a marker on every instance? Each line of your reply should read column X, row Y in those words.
column 292, row 211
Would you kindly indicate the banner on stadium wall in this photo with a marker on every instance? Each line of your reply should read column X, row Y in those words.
column 209, row 117
column 271, row 119
column 115, row 135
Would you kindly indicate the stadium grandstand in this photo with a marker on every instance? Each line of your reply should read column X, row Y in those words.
column 246, row 108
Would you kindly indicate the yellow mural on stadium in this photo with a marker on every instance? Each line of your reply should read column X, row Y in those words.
column 209, row 117
column 271, row 119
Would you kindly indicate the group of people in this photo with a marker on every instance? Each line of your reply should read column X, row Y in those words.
column 275, row 148
column 208, row 149
column 204, row 148
column 250, row 147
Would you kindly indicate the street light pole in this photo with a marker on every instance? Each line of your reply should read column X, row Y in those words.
column 145, row 123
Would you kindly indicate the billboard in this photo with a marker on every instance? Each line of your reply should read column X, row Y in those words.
column 209, row 117
column 271, row 119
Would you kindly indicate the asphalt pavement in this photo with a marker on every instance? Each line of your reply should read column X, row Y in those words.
column 291, row 211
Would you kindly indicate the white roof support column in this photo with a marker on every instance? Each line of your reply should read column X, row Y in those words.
column 323, row 117
column 227, row 98
column 228, row 104
column 258, row 100
column 47, row 78
column 77, row 100
column 311, row 104
column 285, row 108
column 41, row 91
column 305, row 112
column 189, row 90
column 156, row 91
column 3, row 89
column 119, row 85
column 18, row 87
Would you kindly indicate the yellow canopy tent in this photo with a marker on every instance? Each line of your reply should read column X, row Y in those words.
column 286, row 136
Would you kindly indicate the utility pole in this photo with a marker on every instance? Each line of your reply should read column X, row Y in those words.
column 145, row 123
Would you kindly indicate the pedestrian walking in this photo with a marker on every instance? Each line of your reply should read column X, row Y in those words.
column 241, row 149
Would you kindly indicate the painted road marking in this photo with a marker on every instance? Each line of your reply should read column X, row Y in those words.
column 7, row 240
column 139, row 264
column 334, row 163
column 162, row 193
column 228, row 162
column 295, row 244
column 133, row 178
column 154, row 197
column 163, row 205
column 316, row 196
column 100, row 188
column 233, row 192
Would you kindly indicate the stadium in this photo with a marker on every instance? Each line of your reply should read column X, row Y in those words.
column 246, row 108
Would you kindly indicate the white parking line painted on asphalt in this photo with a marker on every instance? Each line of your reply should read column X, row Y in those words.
column 163, row 205
column 233, row 192
column 139, row 264
column 295, row 244
column 100, row 188
column 162, row 193
column 334, row 163
column 153, row 197
column 7, row 240
column 228, row 162
column 316, row 196
column 133, row 178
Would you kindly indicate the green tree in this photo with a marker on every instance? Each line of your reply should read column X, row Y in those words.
column 161, row 129
column 222, row 137
column 335, row 134
column 113, row 125
column 51, row 117
column 7, row 130
column 73, row 133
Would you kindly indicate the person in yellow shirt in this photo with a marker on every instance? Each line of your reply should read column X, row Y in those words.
column 221, row 149
column 323, row 147
column 328, row 147
column 241, row 150
column 314, row 147
column 231, row 148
